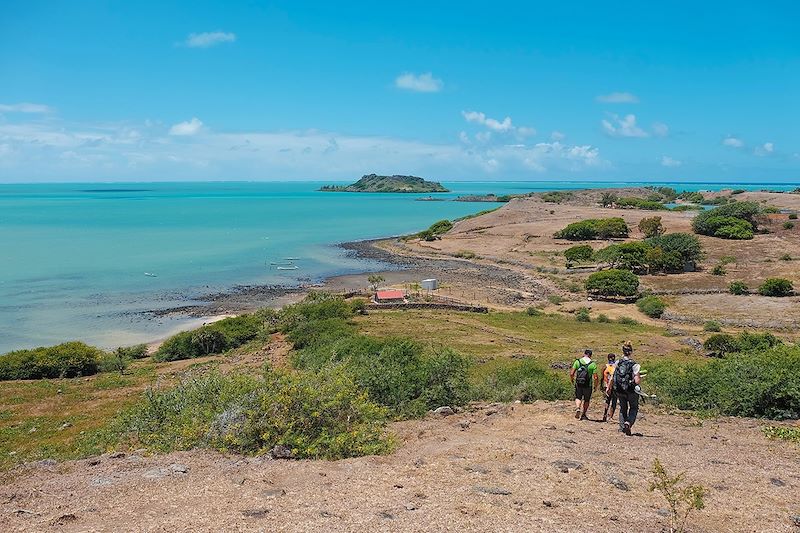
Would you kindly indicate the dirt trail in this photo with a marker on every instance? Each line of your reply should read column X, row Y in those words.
column 498, row 468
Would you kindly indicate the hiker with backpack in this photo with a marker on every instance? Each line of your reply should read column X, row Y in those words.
column 584, row 376
column 611, row 397
column 625, row 384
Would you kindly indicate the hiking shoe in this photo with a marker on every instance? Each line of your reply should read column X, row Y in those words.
column 577, row 413
column 627, row 429
column 584, row 417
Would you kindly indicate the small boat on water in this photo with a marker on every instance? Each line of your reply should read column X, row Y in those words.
column 289, row 267
column 150, row 275
column 292, row 258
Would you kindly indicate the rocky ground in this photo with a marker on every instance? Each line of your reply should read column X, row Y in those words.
column 493, row 468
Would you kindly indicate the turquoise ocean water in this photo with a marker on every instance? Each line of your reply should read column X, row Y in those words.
column 74, row 256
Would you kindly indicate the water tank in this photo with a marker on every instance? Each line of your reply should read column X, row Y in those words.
column 430, row 284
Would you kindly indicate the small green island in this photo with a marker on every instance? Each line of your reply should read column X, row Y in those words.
column 396, row 183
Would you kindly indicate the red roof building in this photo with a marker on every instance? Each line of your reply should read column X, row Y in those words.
column 389, row 296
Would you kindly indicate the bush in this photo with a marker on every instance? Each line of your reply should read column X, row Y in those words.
column 603, row 318
column 556, row 197
column 788, row 225
column 533, row 311
column 555, row 299
column 686, row 246
column 138, row 351
column 652, row 306
column 320, row 415
column 735, row 220
column 718, row 270
column 218, row 337
column 607, row 199
column 651, row 227
column 527, row 380
column 613, row 282
column 759, row 383
column 465, row 254
column 628, row 255
column 792, row 216
column 627, row 321
column 738, row 288
column 67, row 360
column 578, row 231
column 721, row 343
column 639, row 203
column 579, row 253
column 604, row 228
column 776, row 287
column 786, row 257
column 582, row 315
column 712, row 326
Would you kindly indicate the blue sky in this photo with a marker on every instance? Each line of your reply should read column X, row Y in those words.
column 121, row 91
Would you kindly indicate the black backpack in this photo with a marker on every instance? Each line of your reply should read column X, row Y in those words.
column 582, row 378
column 623, row 376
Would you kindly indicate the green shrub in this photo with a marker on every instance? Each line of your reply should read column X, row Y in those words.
column 721, row 343
column 613, row 282
column 555, row 299
column 737, row 191
column 603, row 318
column 792, row 216
column 319, row 415
column 686, row 246
column 651, row 227
column 218, row 337
column 652, row 306
column 760, row 383
column 738, row 288
column 627, row 321
column 138, row 351
column 786, row 257
column 776, row 287
column 718, row 270
column 556, row 197
column 628, row 255
column 578, row 231
column 527, row 380
column 465, row 254
column 788, row 225
column 608, row 198
column 735, row 220
column 582, row 315
column 604, row 228
column 533, row 311
column 67, row 360
column 712, row 326
column 639, row 203
column 579, row 253
column 782, row 432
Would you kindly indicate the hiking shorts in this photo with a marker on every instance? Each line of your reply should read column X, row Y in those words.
column 583, row 393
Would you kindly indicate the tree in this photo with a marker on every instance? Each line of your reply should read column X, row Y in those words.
column 608, row 198
column 686, row 245
column 581, row 252
column 375, row 280
column 735, row 220
column 651, row 227
column 611, row 228
column 613, row 282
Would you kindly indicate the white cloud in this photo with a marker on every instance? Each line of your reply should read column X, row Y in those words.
column 59, row 151
column 24, row 108
column 660, row 129
column 422, row 83
column 618, row 98
column 623, row 127
column 190, row 127
column 765, row 149
column 557, row 136
column 667, row 161
column 497, row 126
column 735, row 142
column 208, row 39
